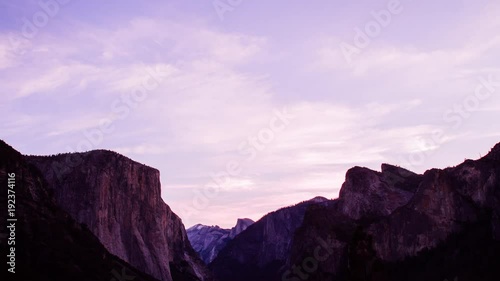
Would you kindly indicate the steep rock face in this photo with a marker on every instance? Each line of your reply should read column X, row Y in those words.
column 262, row 249
column 436, row 211
column 241, row 225
column 446, row 200
column 365, row 196
column 370, row 194
column 119, row 200
column 208, row 241
column 441, row 225
column 50, row 244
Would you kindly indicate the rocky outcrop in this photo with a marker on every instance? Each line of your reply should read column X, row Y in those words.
column 260, row 251
column 328, row 228
column 436, row 211
column 396, row 225
column 119, row 200
column 370, row 194
column 208, row 241
column 49, row 243
column 241, row 225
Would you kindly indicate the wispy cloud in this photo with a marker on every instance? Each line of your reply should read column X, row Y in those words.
column 188, row 94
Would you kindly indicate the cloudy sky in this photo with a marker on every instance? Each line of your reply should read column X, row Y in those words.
column 247, row 106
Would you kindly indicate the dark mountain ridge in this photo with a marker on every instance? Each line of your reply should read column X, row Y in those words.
column 387, row 225
column 443, row 226
column 208, row 241
column 263, row 248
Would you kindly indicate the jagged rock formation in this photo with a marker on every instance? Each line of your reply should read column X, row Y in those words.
column 440, row 225
column 50, row 244
column 208, row 241
column 370, row 194
column 388, row 225
column 262, row 249
column 119, row 200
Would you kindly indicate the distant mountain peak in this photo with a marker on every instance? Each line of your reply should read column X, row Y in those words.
column 241, row 225
column 197, row 227
column 208, row 241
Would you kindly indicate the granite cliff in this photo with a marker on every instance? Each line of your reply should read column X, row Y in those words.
column 119, row 200
column 397, row 225
column 49, row 244
column 82, row 215
column 387, row 225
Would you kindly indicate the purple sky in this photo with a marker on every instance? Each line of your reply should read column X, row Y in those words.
column 251, row 106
